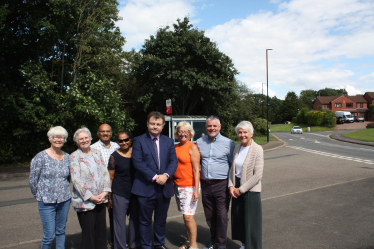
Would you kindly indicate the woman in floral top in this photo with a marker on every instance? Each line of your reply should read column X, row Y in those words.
column 90, row 177
column 49, row 183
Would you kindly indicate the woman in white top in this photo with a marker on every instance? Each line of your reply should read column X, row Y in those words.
column 245, row 188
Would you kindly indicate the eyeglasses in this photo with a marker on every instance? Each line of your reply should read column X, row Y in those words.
column 211, row 116
column 183, row 132
column 123, row 140
column 59, row 138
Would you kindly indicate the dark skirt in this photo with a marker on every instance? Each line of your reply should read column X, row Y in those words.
column 246, row 218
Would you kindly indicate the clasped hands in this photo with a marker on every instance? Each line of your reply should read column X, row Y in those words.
column 234, row 192
column 161, row 179
column 98, row 199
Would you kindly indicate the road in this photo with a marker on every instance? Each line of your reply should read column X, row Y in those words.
column 310, row 200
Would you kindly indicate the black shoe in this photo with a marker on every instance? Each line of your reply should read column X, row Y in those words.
column 161, row 247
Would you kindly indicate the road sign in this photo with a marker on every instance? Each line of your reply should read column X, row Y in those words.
column 168, row 106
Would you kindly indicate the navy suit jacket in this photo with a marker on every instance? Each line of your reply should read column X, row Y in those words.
column 144, row 159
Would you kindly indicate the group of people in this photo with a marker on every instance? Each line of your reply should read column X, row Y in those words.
column 136, row 177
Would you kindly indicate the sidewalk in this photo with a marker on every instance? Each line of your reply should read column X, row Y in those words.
column 340, row 137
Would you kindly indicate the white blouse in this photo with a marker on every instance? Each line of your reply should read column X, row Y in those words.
column 240, row 160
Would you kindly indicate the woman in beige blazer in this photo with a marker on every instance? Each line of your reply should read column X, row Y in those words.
column 245, row 188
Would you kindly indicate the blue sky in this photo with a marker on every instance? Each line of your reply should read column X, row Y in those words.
column 316, row 43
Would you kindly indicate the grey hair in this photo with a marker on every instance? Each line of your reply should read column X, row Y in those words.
column 57, row 131
column 245, row 125
column 185, row 125
column 213, row 118
column 83, row 129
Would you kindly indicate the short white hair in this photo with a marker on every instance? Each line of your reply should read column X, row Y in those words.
column 213, row 118
column 185, row 125
column 57, row 131
column 80, row 130
column 245, row 125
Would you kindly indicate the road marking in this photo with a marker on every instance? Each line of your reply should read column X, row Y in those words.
column 308, row 190
column 317, row 134
column 332, row 155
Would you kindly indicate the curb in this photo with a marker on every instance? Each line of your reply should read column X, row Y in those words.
column 337, row 138
column 278, row 147
column 4, row 176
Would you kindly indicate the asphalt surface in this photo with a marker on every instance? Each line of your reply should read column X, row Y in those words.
column 310, row 200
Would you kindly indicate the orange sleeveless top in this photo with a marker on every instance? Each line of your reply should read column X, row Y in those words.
column 183, row 176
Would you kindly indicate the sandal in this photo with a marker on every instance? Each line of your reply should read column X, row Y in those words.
column 185, row 245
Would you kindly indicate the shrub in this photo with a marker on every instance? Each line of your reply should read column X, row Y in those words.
column 371, row 109
column 301, row 116
column 315, row 117
column 295, row 120
column 370, row 125
column 329, row 119
column 259, row 124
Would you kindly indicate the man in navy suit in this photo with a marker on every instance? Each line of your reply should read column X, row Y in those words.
column 155, row 161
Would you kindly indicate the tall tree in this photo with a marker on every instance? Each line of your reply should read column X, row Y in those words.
column 186, row 66
column 290, row 106
column 60, row 64
column 331, row 92
column 307, row 98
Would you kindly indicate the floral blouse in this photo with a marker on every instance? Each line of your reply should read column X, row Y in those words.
column 83, row 178
column 49, row 179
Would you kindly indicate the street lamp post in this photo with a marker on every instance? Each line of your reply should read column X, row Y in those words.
column 267, row 94
column 262, row 84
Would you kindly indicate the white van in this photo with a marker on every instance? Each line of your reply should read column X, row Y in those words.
column 344, row 117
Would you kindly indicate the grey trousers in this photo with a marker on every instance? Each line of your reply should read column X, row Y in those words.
column 121, row 207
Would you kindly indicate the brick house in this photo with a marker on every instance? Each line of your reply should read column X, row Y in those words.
column 369, row 97
column 357, row 105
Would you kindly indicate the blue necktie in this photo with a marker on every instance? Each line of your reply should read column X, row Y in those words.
column 155, row 146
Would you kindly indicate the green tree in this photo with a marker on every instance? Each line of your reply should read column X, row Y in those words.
column 371, row 109
column 307, row 98
column 331, row 92
column 60, row 64
column 186, row 66
column 290, row 106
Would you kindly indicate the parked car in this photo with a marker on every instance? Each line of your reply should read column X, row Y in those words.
column 287, row 122
column 359, row 118
column 297, row 130
column 340, row 115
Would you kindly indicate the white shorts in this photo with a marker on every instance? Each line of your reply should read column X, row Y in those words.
column 183, row 196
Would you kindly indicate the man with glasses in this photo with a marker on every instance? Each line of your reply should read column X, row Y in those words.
column 106, row 147
column 216, row 158
column 155, row 161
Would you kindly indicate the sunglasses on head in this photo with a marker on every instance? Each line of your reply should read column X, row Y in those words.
column 123, row 140
column 211, row 116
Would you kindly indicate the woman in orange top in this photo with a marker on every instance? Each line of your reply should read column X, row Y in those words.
column 187, row 180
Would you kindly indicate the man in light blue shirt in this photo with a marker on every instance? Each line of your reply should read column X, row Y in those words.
column 216, row 158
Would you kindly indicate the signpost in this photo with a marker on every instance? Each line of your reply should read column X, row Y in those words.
column 169, row 111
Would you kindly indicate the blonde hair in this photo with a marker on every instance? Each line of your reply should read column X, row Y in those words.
column 185, row 125
column 57, row 131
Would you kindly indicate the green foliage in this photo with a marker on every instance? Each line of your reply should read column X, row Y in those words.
column 331, row 92
column 260, row 127
column 61, row 64
column 371, row 109
column 307, row 98
column 186, row 66
column 290, row 106
column 370, row 125
column 315, row 118
column 329, row 119
column 294, row 120
column 302, row 116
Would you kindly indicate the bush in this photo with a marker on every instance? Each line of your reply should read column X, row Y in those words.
column 295, row 120
column 370, row 125
column 301, row 116
column 259, row 125
column 329, row 119
column 315, row 118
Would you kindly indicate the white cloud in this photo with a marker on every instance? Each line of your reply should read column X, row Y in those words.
column 142, row 18
column 311, row 42
column 350, row 89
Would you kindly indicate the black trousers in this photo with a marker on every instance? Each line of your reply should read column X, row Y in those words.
column 93, row 225
column 246, row 218
column 216, row 200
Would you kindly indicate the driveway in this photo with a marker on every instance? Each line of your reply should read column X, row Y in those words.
column 352, row 126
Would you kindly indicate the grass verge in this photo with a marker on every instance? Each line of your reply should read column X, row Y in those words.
column 261, row 140
column 14, row 165
column 363, row 135
column 287, row 127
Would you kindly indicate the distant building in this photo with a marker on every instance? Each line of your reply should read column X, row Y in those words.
column 357, row 105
